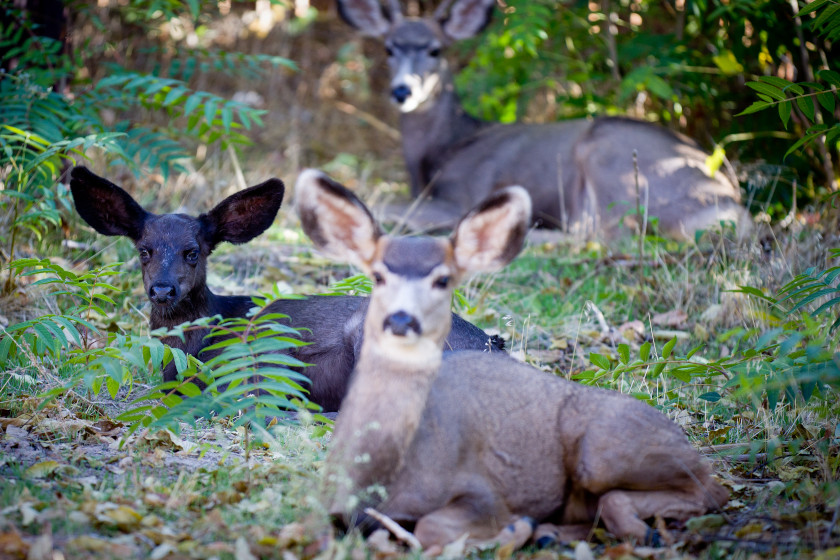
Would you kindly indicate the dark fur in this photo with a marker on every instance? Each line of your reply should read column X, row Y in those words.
column 334, row 323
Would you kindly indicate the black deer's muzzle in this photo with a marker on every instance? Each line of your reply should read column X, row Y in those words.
column 162, row 293
column 400, row 323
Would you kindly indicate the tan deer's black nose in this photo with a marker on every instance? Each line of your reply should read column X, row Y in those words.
column 400, row 323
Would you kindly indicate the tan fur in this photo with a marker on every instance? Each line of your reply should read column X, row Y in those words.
column 474, row 442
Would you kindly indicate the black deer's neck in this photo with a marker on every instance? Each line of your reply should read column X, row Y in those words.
column 200, row 302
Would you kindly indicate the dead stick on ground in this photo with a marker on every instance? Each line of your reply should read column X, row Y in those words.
column 395, row 529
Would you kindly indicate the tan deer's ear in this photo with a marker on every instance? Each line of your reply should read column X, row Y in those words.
column 336, row 221
column 491, row 235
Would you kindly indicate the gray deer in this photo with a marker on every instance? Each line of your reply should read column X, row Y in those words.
column 579, row 173
column 471, row 442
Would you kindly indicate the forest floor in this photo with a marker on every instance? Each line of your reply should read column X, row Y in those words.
column 75, row 485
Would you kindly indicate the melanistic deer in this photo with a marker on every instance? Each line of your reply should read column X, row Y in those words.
column 470, row 442
column 579, row 173
column 173, row 250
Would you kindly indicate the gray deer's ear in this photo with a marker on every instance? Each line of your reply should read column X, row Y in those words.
column 492, row 234
column 104, row 206
column 466, row 18
column 368, row 16
column 244, row 215
column 336, row 221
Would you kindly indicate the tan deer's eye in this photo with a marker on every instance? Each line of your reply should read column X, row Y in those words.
column 378, row 279
column 441, row 282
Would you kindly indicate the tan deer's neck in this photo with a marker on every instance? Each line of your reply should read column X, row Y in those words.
column 378, row 419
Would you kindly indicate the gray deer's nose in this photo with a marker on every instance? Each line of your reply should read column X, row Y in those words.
column 162, row 293
column 401, row 93
column 400, row 323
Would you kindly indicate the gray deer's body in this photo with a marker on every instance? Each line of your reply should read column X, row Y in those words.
column 573, row 170
column 173, row 251
column 473, row 442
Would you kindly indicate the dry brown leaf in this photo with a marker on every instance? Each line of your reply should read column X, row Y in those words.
column 12, row 546
column 42, row 547
column 673, row 318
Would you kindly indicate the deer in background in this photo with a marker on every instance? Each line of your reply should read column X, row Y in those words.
column 470, row 442
column 173, row 251
column 579, row 173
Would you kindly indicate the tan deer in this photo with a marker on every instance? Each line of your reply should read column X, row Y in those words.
column 579, row 173
column 471, row 442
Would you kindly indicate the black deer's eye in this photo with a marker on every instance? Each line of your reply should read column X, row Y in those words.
column 441, row 282
column 191, row 256
column 389, row 51
column 378, row 279
column 434, row 52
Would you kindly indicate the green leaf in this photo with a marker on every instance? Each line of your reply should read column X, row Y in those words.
column 657, row 369
column 829, row 76
column 767, row 89
column 711, row 396
column 754, row 108
column 623, row 353
column 644, row 351
column 599, row 361
column 812, row 7
column 826, row 99
column 728, row 63
column 668, row 348
column 784, row 113
column 806, row 105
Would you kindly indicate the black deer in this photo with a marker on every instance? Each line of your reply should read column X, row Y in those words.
column 173, row 251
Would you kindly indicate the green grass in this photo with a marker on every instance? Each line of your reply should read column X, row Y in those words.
column 558, row 304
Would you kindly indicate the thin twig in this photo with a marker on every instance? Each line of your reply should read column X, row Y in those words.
column 394, row 528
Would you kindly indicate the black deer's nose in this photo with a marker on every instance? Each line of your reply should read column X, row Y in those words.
column 162, row 293
column 400, row 323
column 401, row 93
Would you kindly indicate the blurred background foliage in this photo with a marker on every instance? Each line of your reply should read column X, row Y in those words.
column 170, row 86
column 190, row 100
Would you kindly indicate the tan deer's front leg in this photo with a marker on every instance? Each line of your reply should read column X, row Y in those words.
column 623, row 511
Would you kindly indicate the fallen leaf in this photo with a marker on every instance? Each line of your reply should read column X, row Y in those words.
column 124, row 517
column 673, row 318
column 42, row 469
column 705, row 522
column 12, row 546
column 241, row 550
column 42, row 547
column 750, row 530
column 583, row 552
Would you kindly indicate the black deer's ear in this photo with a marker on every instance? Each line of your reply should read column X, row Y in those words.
column 105, row 206
column 244, row 215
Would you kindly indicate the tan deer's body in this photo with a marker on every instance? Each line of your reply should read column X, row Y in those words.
column 580, row 173
column 472, row 442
